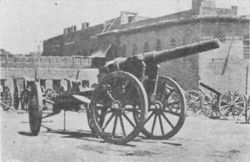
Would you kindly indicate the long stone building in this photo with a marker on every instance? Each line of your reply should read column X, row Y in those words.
column 130, row 34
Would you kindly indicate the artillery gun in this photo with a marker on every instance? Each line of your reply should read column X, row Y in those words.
column 130, row 98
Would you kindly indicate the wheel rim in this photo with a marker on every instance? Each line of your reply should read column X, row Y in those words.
column 167, row 112
column 6, row 99
column 117, row 97
column 247, row 111
column 35, row 109
column 194, row 101
column 232, row 104
column 16, row 99
column 210, row 107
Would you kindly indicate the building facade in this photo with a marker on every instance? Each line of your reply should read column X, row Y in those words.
column 131, row 34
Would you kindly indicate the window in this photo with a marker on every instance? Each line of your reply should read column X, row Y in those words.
column 85, row 53
column 43, row 82
column 92, row 49
column 146, row 47
column 158, row 45
column 219, row 35
column 85, row 83
column 124, row 50
column 173, row 43
column 56, row 85
column 217, row 64
column 134, row 50
column 246, row 46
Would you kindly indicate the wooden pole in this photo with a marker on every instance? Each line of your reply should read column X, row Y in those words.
column 246, row 92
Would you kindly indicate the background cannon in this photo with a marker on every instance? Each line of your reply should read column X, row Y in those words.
column 130, row 88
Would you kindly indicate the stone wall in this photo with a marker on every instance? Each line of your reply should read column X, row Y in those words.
column 47, row 74
column 48, row 62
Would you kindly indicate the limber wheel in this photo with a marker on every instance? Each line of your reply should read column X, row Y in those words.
column 118, row 96
column 194, row 102
column 16, row 99
column 231, row 104
column 25, row 97
column 6, row 98
column 167, row 112
column 35, row 109
column 247, row 110
column 210, row 106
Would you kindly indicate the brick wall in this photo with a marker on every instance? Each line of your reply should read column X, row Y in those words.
column 47, row 61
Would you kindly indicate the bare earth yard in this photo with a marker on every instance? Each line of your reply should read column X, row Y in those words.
column 200, row 139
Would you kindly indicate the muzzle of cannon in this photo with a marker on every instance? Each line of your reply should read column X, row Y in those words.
column 168, row 55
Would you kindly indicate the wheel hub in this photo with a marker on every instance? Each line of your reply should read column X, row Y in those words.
column 158, row 107
column 231, row 103
column 116, row 105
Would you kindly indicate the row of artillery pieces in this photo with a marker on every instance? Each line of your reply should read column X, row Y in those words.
column 130, row 98
column 208, row 102
column 159, row 124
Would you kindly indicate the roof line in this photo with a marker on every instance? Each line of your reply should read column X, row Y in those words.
column 175, row 21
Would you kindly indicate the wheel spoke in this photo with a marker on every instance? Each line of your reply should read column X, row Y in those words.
column 110, row 96
column 127, row 118
column 173, row 103
column 153, row 126
column 171, row 112
column 108, row 121
column 152, row 113
column 237, row 98
column 115, row 123
column 197, row 99
column 225, row 109
column 239, row 102
column 164, row 116
column 168, row 95
column 161, row 125
column 224, row 106
column 122, row 125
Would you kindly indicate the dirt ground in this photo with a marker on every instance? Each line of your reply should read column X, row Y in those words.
column 200, row 139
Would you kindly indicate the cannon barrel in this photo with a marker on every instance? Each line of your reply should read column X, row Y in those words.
column 167, row 55
column 162, row 56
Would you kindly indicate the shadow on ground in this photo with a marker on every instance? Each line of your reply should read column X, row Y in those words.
column 25, row 133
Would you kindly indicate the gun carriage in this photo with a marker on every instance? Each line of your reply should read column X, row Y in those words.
column 215, row 104
column 129, row 99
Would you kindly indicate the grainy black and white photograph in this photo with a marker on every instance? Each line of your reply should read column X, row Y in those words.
column 125, row 80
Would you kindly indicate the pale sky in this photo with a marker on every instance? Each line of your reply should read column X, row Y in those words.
column 24, row 24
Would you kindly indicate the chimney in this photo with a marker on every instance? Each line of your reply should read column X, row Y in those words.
column 127, row 17
column 68, row 30
column 85, row 25
column 73, row 29
column 234, row 10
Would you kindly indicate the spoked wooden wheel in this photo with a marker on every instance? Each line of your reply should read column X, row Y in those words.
column 118, row 96
column 194, row 102
column 16, row 99
column 25, row 97
column 6, row 98
column 232, row 104
column 247, row 110
column 210, row 106
column 35, row 109
column 167, row 112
